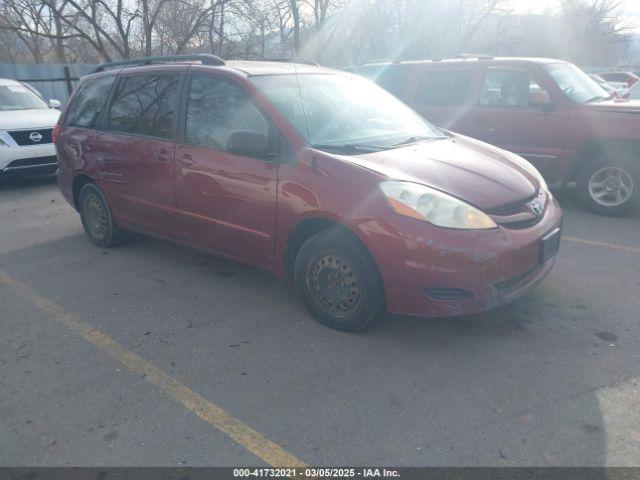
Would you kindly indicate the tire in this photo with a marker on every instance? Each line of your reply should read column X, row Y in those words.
column 610, row 184
column 338, row 282
column 97, row 220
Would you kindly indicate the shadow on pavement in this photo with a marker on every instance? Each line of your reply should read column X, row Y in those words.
column 517, row 386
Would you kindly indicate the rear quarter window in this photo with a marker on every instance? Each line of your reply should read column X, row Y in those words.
column 88, row 104
column 445, row 87
column 392, row 78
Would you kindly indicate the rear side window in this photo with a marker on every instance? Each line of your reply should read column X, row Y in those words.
column 445, row 87
column 87, row 105
column 145, row 105
column 215, row 109
column 392, row 78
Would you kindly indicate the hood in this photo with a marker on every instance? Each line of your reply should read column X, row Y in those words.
column 31, row 118
column 473, row 171
column 630, row 107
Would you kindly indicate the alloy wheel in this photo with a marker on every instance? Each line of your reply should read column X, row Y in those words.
column 611, row 186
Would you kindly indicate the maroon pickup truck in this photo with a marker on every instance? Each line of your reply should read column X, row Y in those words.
column 547, row 111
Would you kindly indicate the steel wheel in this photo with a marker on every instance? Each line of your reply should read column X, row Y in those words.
column 611, row 186
column 97, row 219
column 96, row 216
column 338, row 281
column 335, row 285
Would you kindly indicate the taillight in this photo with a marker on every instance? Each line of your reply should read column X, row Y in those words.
column 55, row 132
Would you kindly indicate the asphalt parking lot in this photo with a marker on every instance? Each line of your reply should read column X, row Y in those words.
column 156, row 354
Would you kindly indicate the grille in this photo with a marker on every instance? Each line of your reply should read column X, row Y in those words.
column 511, row 208
column 23, row 137
column 509, row 283
column 36, row 163
column 520, row 214
column 523, row 224
column 448, row 294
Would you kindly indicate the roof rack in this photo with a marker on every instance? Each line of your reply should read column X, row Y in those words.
column 303, row 61
column 205, row 59
column 476, row 56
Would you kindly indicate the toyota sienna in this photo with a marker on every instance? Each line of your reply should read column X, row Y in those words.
column 317, row 175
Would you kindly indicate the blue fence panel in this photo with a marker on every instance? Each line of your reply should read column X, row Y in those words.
column 50, row 79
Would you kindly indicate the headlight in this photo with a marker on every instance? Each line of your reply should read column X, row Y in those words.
column 427, row 204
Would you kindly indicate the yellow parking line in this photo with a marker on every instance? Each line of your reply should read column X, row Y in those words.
column 246, row 436
column 623, row 248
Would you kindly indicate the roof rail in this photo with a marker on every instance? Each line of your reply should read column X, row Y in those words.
column 477, row 56
column 204, row 58
column 303, row 61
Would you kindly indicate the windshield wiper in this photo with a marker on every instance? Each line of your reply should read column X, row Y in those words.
column 351, row 148
column 414, row 139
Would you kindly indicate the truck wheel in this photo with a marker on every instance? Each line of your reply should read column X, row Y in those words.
column 97, row 220
column 610, row 186
column 338, row 282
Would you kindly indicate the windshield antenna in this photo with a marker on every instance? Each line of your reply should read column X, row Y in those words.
column 304, row 112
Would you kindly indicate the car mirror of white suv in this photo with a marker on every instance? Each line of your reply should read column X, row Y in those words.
column 53, row 103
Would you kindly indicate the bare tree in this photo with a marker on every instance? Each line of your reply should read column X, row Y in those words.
column 332, row 31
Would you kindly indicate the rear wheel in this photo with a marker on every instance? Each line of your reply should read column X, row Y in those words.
column 97, row 220
column 338, row 282
column 610, row 186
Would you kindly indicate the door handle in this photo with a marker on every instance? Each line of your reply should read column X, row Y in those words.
column 161, row 155
column 186, row 160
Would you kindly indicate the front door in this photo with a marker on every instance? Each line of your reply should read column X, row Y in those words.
column 226, row 198
column 504, row 116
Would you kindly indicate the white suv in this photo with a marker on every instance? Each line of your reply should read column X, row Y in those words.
column 26, row 123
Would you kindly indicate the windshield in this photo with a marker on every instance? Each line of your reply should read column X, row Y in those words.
column 345, row 112
column 575, row 83
column 19, row 97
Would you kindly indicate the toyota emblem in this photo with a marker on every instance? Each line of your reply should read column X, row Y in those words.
column 536, row 207
column 35, row 137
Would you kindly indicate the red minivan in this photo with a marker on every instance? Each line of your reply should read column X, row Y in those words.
column 317, row 175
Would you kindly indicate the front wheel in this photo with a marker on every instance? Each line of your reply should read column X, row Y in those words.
column 338, row 282
column 97, row 220
column 610, row 186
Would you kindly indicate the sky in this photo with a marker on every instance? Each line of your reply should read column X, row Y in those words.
column 631, row 8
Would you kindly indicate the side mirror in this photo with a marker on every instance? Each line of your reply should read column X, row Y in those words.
column 53, row 103
column 247, row 143
column 540, row 98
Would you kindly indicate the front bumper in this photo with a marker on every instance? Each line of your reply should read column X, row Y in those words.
column 434, row 272
column 28, row 160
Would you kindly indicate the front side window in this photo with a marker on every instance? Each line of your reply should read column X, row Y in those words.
column 216, row 109
column 575, row 83
column 88, row 104
column 507, row 88
column 145, row 105
column 19, row 97
column 344, row 112
column 445, row 87
column 616, row 77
